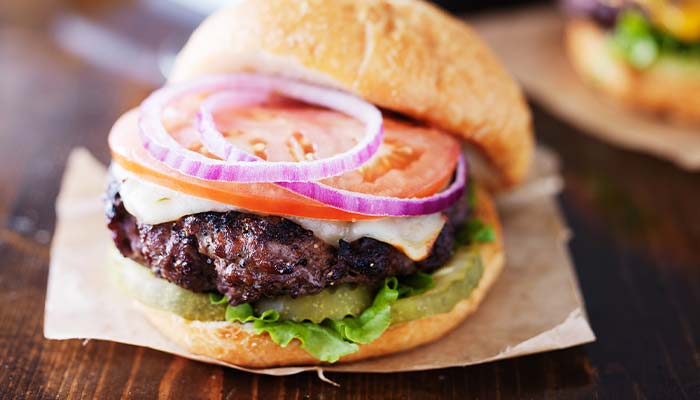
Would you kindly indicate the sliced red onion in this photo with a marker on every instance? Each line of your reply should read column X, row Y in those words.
column 384, row 206
column 212, row 139
column 255, row 88
column 354, row 202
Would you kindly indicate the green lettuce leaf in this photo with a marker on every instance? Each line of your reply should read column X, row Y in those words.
column 331, row 340
column 374, row 320
column 641, row 44
column 474, row 230
column 415, row 284
column 318, row 340
column 217, row 298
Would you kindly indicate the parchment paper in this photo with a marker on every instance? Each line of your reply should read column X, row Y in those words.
column 530, row 43
column 535, row 305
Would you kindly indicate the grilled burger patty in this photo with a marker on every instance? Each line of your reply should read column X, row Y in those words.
column 247, row 256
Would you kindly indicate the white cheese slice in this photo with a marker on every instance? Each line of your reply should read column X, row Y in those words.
column 412, row 235
column 155, row 204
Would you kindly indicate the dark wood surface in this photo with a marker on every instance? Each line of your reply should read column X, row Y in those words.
column 636, row 246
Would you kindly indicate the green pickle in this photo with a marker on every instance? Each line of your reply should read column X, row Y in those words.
column 451, row 284
column 335, row 303
column 139, row 283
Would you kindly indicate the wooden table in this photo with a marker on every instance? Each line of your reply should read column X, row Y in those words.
column 636, row 246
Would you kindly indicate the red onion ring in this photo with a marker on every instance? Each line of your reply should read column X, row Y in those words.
column 360, row 203
column 255, row 88
column 384, row 206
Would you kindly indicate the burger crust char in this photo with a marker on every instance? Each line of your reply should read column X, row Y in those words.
column 405, row 56
column 247, row 257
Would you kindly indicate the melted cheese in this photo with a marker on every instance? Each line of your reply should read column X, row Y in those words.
column 412, row 235
column 155, row 204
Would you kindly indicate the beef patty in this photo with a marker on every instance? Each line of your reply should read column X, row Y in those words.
column 247, row 256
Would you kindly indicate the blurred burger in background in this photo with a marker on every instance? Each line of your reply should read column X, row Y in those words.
column 646, row 53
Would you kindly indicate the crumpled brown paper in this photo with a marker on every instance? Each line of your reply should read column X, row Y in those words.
column 535, row 305
column 530, row 43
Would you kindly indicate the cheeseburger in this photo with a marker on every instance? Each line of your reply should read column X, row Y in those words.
column 646, row 53
column 298, row 193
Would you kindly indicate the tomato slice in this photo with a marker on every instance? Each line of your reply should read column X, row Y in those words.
column 413, row 161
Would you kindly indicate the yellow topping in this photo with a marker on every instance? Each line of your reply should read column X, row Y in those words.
column 679, row 18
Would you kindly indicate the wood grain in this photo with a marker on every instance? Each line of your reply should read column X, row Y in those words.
column 635, row 220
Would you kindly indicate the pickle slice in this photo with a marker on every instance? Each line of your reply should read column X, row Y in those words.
column 139, row 283
column 334, row 303
column 452, row 283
